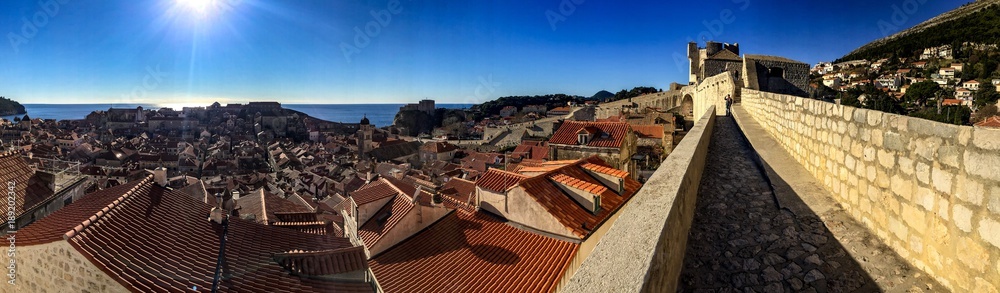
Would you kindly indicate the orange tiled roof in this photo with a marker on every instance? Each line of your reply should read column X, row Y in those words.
column 474, row 252
column 438, row 147
column 498, row 180
column 565, row 209
column 128, row 232
column 605, row 170
column 578, row 184
column 992, row 122
column 374, row 191
column 459, row 189
column 615, row 131
column 951, row 102
column 262, row 205
column 29, row 190
column 649, row 130
column 371, row 232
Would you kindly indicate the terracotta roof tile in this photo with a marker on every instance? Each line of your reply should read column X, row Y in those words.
column 125, row 239
column 262, row 205
column 992, row 122
column 579, row 184
column 565, row 209
column 499, row 180
column 438, row 147
column 615, row 131
column 604, row 170
column 467, row 252
column 648, row 130
column 29, row 190
column 459, row 189
column 384, row 220
column 374, row 191
column 325, row 262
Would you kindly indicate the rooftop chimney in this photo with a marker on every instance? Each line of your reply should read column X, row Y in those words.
column 160, row 176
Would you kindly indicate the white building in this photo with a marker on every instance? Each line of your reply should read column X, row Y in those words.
column 971, row 85
column 832, row 82
column 948, row 72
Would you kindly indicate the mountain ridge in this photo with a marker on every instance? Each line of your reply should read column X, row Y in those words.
column 957, row 13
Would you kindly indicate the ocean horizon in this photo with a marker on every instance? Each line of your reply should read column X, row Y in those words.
column 378, row 114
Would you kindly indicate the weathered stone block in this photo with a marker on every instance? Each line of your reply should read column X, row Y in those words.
column 925, row 197
column 950, row 156
column 923, row 173
column 916, row 244
column 897, row 228
column 861, row 116
column 973, row 255
column 886, row 159
column 906, row 165
column 969, row 190
column 874, row 118
column 962, row 217
column 869, row 154
column 984, row 286
column 942, row 180
column 914, row 217
column 986, row 138
column 882, row 179
column 894, row 141
column 983, row 164
column 849, row 162
column 932, row 128
column 989, row 229
column 943, row 209
column 994, row 199
column 927, row 147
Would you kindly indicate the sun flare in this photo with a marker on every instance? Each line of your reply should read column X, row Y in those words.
column 200, row 6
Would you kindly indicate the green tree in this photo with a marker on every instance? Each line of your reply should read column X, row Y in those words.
column 920, row 92
column 958, row 115
column 987, row 95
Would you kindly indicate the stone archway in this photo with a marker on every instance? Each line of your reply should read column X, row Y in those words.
column 687, row 108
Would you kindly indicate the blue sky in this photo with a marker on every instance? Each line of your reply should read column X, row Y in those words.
column 309, row 51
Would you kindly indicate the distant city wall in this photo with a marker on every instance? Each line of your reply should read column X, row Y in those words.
column 712, row 93
column 929, row 190
column 662, row 100
column 644, row 249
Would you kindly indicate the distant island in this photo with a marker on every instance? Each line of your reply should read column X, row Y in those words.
column 11, row 107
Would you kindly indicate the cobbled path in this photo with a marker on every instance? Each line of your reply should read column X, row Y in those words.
column 741, row 241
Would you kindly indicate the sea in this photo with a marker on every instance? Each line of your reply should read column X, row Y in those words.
column 378, row 114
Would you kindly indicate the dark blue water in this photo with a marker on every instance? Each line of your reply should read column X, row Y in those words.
column 378, row 114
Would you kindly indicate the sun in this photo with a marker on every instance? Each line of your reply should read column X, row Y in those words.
column 202, row 7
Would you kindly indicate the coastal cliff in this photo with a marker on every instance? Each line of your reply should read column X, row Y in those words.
column 10, row 107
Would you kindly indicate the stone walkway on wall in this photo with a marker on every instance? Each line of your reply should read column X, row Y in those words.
column 740, row 241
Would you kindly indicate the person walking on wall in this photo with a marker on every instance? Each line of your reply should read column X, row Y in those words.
column 729, row 104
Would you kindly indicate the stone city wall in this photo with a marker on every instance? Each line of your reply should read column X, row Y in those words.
column 57, row 267
column 929, row 190
column 644, row 249
column 712, row 93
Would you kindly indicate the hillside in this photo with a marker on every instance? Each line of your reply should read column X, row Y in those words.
column 601, row 95
column 977, row 22
column 10, row 107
